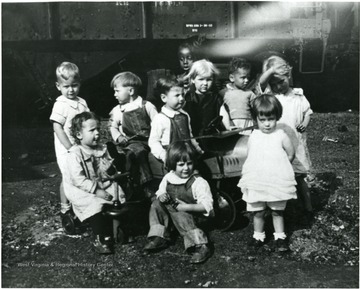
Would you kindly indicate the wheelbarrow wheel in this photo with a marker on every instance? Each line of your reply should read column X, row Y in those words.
column 225, row 211
column 120, row 236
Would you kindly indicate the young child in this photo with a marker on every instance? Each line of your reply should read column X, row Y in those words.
column 181, row 196
column 172, row 123
column 186, row 60
column 295, row 119
column 129, row 124
column 237, row 99
column 267, row 176
column 65, row 108
column 87, row 162
column 202, row 104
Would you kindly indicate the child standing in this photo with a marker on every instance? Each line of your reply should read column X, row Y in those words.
column 84, row 187
column 181, row 196
column 186, row 60
column 267, row 175
column 172, row 123
column 203, row 104
column 237, row 100
column 129, row 124
column 295, row 119
column 65, row 108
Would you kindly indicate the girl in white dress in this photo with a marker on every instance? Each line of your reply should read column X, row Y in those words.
column 268, row 179
column 277, row 79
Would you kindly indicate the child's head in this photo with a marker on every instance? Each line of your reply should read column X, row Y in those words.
column 181, row 158
column 85, row 128
column 125, row 84
column 170, row 91
column 239, row 72
column 266, row 110
column 186, row 56
column 279, row 82
column 202, row 74
column 68, row 79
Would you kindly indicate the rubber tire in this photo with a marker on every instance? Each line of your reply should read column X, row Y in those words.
column 120, row 236
column 225, row 211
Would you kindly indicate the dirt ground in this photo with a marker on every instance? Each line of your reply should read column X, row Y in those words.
column 325, row 254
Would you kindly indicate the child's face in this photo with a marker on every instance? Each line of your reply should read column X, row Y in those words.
column 203, row 83
column 69, row 88
column 240, row 78
column 279, row 84
column 266, row 124
column 174, row 98
column 123, row 94
column 89, row 135
column 185, row 59
column 184, row 169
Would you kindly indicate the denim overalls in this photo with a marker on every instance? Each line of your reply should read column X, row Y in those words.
column 160, row 215
column 136, row 124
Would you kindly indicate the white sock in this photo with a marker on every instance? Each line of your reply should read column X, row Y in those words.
column 281, row 235
column 65, row 207
column 259, row 236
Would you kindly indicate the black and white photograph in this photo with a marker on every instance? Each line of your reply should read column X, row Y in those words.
column 180, row 144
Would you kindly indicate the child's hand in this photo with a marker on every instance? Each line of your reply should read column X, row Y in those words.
column 182, row 207
column 122, row 140
column 164, row 198
column 301, row 127
column 100, row 193
column 280, row 69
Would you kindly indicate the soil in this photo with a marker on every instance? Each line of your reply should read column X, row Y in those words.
column 324, row 254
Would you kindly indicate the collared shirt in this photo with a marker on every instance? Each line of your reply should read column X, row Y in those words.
column 200, row 189
column 160, row 132
column 64, row 110
column 116, row 115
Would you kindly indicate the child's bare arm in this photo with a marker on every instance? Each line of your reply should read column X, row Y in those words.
column 60, row 133
column 279, row 69
column 289, row 148
column 302, row 126
column 184, row 207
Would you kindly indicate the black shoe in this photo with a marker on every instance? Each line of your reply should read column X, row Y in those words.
column 309, row 217
column 70, row 222
column 281, row 245
column 156, row 244
column 255, row 244
column 103, row 245
column 201, row 254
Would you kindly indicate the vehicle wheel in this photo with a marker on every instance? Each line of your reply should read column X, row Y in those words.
column 120, row 236
column 225, row 211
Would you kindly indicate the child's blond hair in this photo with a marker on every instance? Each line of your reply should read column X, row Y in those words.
column 67, row 70
column 126, row 79
column 202, row 67
column 277, row 60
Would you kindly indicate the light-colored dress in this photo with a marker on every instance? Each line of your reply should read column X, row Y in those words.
column 295, row 108
column 267, row 174
column 85, row 172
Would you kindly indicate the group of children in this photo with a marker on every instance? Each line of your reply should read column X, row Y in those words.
column 277, row 157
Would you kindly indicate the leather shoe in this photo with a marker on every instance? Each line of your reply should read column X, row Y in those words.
column 201, row 254
column 156, row 244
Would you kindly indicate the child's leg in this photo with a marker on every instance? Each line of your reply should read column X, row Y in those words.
column 101, row 227
column 64, row 202
column 278, row 222
column 259, row 223
column 141, row 151
column 304, row 193
column 159, row 221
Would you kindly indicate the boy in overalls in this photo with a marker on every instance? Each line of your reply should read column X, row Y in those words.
column 130, row 123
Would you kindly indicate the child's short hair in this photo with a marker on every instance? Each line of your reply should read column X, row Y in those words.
column 164, row 84
column 66, row 70
column 201, row 67
column 237, row 63
column 77, row 121
column 179, row 151
column 126, row 79
column 266, row 105
column 186, row 45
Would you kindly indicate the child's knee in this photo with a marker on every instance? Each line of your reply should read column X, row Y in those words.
column 277, row 213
